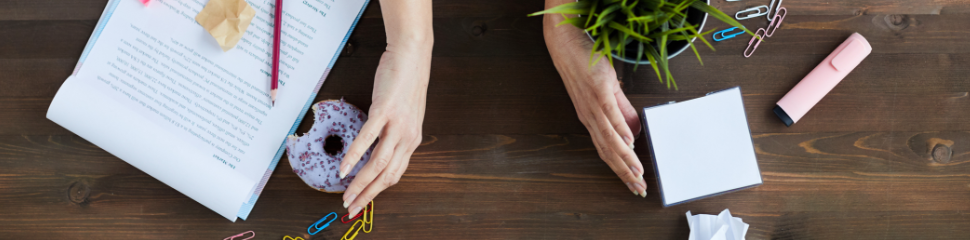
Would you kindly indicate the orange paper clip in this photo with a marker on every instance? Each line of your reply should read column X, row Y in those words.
column 240, row 236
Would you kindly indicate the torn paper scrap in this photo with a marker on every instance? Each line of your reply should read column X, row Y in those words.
column 145, row 2
column 720, row 227
column 226, row 21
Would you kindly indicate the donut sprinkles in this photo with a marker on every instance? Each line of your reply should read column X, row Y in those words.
column 308, row 158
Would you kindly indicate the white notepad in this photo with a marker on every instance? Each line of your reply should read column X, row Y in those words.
column 701, row 147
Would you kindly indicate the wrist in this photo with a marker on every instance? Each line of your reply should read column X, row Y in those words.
column 414, row 43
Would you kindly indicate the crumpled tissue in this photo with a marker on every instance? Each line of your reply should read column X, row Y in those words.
column 720, row 227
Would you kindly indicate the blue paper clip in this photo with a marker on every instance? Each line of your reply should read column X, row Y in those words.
column 317, row 224
column 726, row 37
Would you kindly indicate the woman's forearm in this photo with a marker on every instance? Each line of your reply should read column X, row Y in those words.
column 408, row 26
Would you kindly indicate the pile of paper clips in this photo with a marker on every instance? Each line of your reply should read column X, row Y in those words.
column 774, row 22
column 366, row 224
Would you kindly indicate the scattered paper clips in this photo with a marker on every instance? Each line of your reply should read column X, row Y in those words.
column 366, row 224
column 287, row 237
column 317, row 225
column 752, row 12
column 772, row 27
column 724, row 34
column 240, row 236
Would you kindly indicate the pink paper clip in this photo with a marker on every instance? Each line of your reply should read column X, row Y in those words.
column 776, row 23
column 754, row 45
column 145, row 2
column 239, row 236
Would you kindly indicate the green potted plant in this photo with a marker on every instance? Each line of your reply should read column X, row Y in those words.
column 638, row 30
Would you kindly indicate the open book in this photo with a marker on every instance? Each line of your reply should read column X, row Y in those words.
column 155, row 89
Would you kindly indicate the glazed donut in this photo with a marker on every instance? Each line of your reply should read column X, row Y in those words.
column 316, row 155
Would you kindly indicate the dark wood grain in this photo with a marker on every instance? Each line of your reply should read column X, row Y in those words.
column 886, row 155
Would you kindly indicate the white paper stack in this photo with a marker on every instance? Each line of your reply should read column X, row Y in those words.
column 701, row 147
column 720, row 227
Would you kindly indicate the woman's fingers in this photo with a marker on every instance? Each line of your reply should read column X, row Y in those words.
column 638, row 186
column 609, row 162
column 380, row 158
column 629, row 113
column 619, row 150
column 363, row 141
column 389, row 176
column 613, row 129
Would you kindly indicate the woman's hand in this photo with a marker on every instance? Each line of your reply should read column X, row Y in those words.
column 397, row 111
column 599, row 101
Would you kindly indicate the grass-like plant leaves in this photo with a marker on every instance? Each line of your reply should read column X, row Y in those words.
column 646, row 25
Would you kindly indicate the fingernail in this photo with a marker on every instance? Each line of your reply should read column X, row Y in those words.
column 636, row 172
column 350, row 199
column 631, row 145
column 629, row 141
column 355, row 211
column 628, row 185
column 344, row 171
column 644, row 192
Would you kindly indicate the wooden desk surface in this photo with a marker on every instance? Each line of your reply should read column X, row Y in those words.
column 886, row 155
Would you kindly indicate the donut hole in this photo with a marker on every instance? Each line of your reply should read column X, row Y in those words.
column 333, row 145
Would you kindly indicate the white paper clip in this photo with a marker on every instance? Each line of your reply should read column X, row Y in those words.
column 771, row 17
column 757, row 12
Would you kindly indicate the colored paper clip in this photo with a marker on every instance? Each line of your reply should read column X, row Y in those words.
column 726, row 37
column 361, row 213
column 352, row 229
column 369, row 220
column 319, row 227
column 771, row 17
column 239, row 236
column 287, row 237
column 774, row 25
column 757, row 13
column 351, row 219
column 752, row 45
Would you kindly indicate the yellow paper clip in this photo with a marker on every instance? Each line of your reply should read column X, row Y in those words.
column 353, row 230
column 287, row 237
column 369, row 220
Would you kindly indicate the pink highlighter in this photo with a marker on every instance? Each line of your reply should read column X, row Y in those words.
column 822, row 79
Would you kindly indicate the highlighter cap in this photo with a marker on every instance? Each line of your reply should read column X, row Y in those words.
column 821, row 80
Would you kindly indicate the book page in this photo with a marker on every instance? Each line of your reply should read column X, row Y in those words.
column 156, row 67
